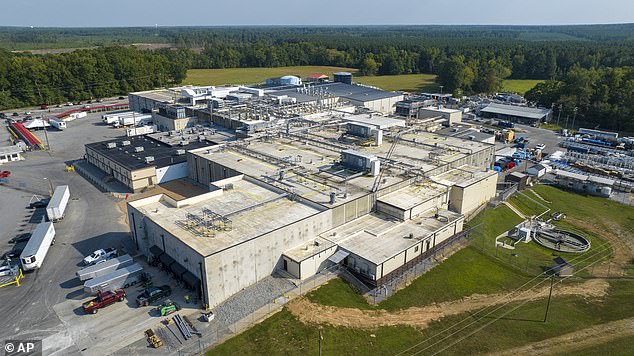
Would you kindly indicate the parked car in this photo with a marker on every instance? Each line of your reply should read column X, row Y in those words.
column 15, row 114
column 38, row 204
column 5, row 271
column 43, row 107
column 103, row 300
column 28, row 113
column 153, row 294
column 121, row 98
column 5, row 174
column 101, row 254
column 540, row 146
column 20, row 238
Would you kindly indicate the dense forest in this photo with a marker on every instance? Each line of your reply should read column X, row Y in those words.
column 467, row 59
column 603, row 98
column 27, row 79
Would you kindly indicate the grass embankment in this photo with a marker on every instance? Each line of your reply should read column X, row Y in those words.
column 283, row 334
column 254, row 75
column 338, row 294
column 520, row 86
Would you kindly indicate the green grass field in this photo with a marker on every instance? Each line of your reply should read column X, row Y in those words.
column 405, row 82
column 520, row 86
column 253, row 75
column 338, row 293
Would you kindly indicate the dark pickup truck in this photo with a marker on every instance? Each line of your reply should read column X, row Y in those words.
column 103, row 300
column 152, row 294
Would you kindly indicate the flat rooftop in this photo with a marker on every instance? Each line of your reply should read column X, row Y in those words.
column 354, row 92
column 310, row 170
column 377, row 238
column 463, row 176
column 164, row 154
column 413, row 195
column 308, row 249
column 164, row 95
column 514, row 110
column 252, row 208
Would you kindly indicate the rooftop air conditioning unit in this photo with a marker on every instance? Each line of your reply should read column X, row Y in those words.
column 125, row 143
column 138, row 149
column 184, row 143
column 180, row 152
column 111, row 145
column 149, row 159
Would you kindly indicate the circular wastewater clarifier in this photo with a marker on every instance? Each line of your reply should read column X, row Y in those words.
column 562, row 240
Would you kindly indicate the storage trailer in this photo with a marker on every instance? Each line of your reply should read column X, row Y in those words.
column 121, row 278
column 36, row 249
column 57, row 205
column 57, row 123
column 104, row 268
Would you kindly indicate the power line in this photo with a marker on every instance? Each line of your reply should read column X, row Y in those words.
column 495, row 319
column 520, row 289
column 492, row 311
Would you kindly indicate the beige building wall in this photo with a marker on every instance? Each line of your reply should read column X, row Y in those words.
column 466, row 199
column 315, row 263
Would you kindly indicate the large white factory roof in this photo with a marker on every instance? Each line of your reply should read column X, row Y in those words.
column 377, row 238
column 252, row 208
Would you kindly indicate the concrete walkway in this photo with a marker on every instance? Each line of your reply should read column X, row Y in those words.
column 514, row 209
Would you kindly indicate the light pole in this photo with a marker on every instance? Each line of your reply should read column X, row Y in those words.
column 50, row 185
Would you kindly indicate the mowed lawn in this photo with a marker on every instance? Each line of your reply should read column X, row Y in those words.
column 520, row 86
column 405, row 82
column 254, row 75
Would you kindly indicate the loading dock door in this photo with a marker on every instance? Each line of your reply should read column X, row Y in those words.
column 338, row 256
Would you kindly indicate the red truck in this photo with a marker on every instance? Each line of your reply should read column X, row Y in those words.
column 103, row 300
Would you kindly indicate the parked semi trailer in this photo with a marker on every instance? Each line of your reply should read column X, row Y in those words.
column 57, row 123
column 36, row 249
column 57, row 205
column 104, row 268
column 121, row 278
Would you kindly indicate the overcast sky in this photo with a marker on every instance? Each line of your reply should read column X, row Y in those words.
column 91, row 13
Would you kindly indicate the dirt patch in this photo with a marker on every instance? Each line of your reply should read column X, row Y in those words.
column 577, row 340
column 420, row 317
column 622, row 253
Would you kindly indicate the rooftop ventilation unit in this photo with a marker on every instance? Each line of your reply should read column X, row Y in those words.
column 111, row 145
column 149, row 159
column 180, row 152
column 138, row 149
column 184, row 143
column 125, row 143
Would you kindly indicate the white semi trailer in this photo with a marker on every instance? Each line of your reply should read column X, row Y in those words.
column 57, row 206
column 36, row 249
column 57, row 123
column 104, row 268
column 121, row 278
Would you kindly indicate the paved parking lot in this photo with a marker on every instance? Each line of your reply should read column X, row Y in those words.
column 92, row 221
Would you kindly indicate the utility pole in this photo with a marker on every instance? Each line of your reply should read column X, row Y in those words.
column 550, row 294
column 559, row 113
column 320, row 338
column 574, row 117
column 48, row 147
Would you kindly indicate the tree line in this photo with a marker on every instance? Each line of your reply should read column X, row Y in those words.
column 27, row 79
column 595, row 97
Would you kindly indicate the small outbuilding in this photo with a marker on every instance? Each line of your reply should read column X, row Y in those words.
column 521, row 179
column 537, row 171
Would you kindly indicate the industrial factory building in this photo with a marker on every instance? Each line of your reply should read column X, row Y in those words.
column 515, row 113
column 296, row 201
column 144, row 161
